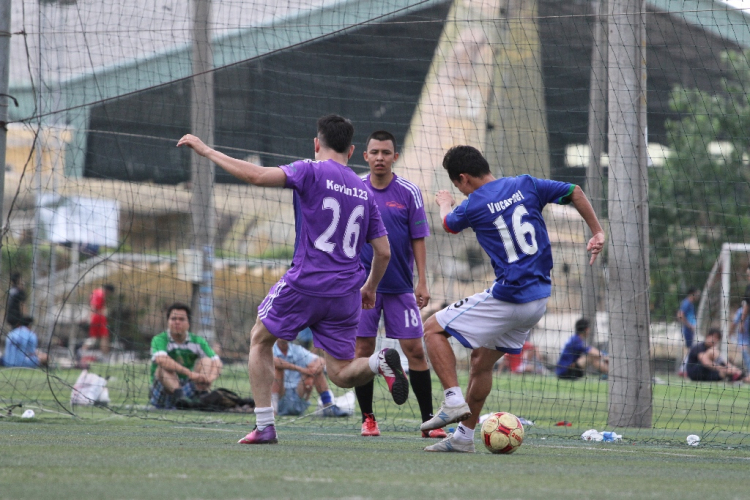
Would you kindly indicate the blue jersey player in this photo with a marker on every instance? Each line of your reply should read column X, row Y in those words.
column 506, row 215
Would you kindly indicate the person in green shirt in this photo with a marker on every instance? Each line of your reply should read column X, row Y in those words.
column 182, row 364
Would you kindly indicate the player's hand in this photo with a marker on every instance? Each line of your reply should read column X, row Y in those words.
column 422, row 294
column 595, row 246
column 192, row 141
column 444, row 197
column 368, row 297
column 198, row 378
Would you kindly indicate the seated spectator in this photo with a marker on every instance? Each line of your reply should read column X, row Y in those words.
column 576, row 355
column 183, row 365
column 704, row 363
column 297, row 372
column 21, row 347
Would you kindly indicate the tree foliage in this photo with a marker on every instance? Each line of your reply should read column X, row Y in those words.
column 700, row 198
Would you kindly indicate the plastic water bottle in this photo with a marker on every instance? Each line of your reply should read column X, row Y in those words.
column 611, row 436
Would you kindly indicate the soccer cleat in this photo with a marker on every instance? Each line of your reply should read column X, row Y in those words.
column 447, row 415
column 389, row 366
column 449, row 444
column 334, row 411
column 370, row 426
column 266, row 436
column 435, row 434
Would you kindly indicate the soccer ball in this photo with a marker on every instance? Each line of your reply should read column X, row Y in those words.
column 502, row 433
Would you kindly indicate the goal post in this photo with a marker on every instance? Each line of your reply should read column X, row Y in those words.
column 721, row 272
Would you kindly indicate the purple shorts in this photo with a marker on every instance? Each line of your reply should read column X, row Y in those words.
column 402, row 319
column 333, row 320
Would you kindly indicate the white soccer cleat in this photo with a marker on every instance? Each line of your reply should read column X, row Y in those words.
column 452, row 445
column 447, row 415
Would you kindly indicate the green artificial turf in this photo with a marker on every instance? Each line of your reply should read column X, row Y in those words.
column 59, row 457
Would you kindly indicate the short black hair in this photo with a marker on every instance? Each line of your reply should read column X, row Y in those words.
column 381, row 135
column 335, row 132
column 26, row 321
column 714, row 331
column 15, row 277
column 581, row 325
column 109, row 287
column 465, row 160
column 179, row 306
column 692, row 290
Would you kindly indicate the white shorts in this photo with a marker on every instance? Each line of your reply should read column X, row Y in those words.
column 483, row 321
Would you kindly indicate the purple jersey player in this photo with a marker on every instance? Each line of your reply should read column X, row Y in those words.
column 336, row 215
column 402, row 209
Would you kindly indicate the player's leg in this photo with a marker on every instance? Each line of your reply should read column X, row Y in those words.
column 262, row 374
column 367, row 331
column 421, row 381
column 336, row 334
column 443, row 360
column 105, row 344
column 404, row 323
column 282, row 314
column 480, row 384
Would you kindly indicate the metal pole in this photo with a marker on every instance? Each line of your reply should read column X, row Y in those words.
column 630, row 366
column 37, row 174
column 726, row 275
column 5, row 10
column 597, row 133
column 202, row 205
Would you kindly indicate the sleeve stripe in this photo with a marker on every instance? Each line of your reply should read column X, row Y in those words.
column 415, row 191
column 445, row 225
column 565, row 199
column 158, row 353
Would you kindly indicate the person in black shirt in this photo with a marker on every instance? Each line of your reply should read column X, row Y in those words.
column 16, row 299
column 704, row 363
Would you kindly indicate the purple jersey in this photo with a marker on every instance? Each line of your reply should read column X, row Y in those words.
column 335, row 216
column 402, row 210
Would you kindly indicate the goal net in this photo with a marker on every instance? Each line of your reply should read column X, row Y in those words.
column 97, row 193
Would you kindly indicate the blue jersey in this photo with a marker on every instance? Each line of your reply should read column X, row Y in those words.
column 570, row 353
column 402, row 210
column 298, row 356
column 506, row 215
column 688, row 311
column 20, row 348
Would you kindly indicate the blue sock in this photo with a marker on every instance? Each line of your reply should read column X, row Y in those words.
column 326, row 397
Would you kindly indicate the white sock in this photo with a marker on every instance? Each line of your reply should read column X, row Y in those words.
column 373, row 361
column 264, row 417
column 464, row 433
column 454, row 396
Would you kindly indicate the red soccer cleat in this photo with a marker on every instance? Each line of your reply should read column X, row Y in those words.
column 370, row 426
column 435, row 433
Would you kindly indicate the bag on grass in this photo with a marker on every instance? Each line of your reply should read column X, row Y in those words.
column 219, row 399
column 89, row 389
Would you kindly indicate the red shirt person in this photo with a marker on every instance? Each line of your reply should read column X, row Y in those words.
column 98, row 325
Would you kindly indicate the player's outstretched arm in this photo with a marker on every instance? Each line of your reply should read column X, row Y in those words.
column 445, row 201
column 381, row 250
column 243, row 170
column 582, row 204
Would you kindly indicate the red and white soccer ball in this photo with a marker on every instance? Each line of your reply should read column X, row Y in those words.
column 502, row 433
